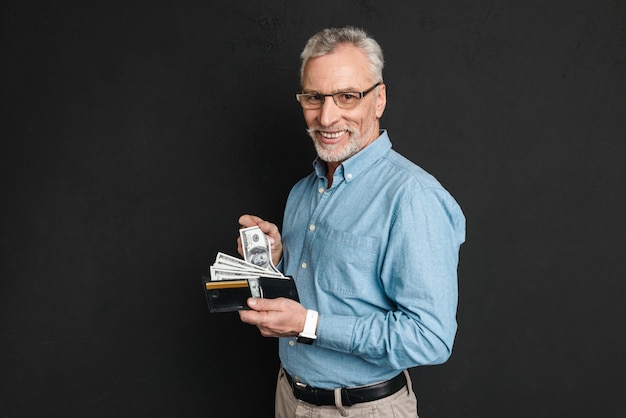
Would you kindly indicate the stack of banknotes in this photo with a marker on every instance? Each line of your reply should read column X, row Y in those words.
column 257, row 260
column 233, row 280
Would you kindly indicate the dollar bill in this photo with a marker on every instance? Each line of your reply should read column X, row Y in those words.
column 228, row 262
column 255, row 288
column 257, row 248
column 257, row 262
column 221, row 274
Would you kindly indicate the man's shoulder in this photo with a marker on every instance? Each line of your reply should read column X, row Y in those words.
column 405, row 169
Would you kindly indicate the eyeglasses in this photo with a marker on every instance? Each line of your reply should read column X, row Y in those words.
column 343, row 99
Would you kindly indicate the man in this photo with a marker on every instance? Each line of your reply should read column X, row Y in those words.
column 372, row 242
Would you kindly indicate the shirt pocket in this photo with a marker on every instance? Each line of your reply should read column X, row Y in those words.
column 348, row 264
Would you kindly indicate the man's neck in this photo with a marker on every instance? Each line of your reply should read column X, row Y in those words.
column 330, row 172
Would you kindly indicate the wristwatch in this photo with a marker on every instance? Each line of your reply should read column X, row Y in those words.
column 307, row 336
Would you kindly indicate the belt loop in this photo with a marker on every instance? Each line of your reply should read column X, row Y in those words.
column 409, row 383
column 338, row 392
column 345, row 398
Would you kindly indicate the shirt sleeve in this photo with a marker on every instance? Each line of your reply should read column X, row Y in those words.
column 419, row 276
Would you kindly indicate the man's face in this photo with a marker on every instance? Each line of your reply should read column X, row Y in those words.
column 338, row 133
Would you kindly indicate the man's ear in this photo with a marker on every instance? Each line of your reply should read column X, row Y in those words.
column 381, row 100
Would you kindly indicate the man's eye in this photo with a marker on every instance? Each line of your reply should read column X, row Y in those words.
column 314, row 98
column 347, row 97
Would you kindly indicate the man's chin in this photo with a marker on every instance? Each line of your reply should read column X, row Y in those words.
column 333, row 156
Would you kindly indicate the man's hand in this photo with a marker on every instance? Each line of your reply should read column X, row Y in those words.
column 269, row 229
column 280, row 317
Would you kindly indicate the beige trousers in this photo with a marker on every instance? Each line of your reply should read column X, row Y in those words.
column 402, row 404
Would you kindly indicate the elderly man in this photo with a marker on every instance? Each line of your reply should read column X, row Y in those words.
column 372, row 242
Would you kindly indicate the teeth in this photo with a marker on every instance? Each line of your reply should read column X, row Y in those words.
column 330, row 135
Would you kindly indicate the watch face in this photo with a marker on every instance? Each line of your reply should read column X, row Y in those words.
column 305, row 340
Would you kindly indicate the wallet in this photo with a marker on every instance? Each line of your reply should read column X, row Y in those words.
column 231, row 295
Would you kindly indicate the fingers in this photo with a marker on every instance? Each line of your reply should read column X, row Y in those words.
column 268, row 228
column 278, row 317
column 259, row 315
column 246, row 221
column 249, row 220
column 261, row 304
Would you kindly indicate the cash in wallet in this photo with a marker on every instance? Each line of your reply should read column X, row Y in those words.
column 233, row 280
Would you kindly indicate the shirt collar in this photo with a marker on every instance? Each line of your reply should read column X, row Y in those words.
column 359, row 162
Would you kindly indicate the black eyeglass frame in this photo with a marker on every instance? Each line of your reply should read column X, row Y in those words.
column 360, row 95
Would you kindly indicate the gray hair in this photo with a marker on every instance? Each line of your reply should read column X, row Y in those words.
column 327, row 40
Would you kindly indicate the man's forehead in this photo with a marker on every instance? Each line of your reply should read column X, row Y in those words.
column 335, row 73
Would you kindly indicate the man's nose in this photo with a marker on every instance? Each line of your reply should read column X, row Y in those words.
column 329, row 112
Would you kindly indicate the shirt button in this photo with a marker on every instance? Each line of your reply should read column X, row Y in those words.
column 321, row 190
column 311, row 227
column 303, row 265
column 349, row 176
column 292, row 343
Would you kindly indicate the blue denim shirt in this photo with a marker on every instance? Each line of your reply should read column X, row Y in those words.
column 376, row 255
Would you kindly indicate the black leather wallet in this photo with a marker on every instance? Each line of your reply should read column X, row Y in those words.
column 231, row 295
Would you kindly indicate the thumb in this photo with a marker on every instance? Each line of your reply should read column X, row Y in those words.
column 249, row 220
column 255, row 304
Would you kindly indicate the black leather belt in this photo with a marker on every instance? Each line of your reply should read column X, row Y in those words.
column 348, row 396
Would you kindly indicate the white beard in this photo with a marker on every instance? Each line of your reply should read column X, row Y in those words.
column 340, row 152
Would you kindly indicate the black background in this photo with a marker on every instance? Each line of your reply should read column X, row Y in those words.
column 135, row 134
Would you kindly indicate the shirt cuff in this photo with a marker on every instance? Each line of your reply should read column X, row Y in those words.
column 336, row 332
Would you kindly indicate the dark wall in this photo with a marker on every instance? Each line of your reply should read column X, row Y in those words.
column 134, row 135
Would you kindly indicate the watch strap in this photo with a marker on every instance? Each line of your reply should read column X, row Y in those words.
column 310, row 326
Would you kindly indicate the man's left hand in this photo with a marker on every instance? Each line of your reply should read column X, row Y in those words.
column 280, row 317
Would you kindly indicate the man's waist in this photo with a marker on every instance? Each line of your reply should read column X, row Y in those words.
column 349, row 396
column 319, row 368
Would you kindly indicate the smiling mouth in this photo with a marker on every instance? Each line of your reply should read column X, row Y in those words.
column 332, row 135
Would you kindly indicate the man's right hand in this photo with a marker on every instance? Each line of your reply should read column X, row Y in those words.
column 269, row 229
